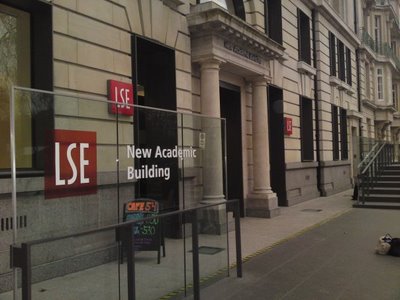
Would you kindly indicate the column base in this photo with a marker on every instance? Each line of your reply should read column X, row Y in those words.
column 262, row 206
column 213, row 220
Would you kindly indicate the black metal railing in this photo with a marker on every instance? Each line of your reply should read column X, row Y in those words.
column 379, row 48
column 368, row 148
column 21, row 255
column 371, row 172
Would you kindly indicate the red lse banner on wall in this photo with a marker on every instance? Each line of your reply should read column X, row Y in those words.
column 288, row 129
column 71, row 164
column 121, row 93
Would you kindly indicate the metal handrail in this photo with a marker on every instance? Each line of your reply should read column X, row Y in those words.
column 368, row 177
column 21, row 255
column 367, row 156
column 373, row 159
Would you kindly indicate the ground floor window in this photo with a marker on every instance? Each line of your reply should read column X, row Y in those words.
column 26, row 60
column 335, row 133
column 306, row 123
column 15, row 62
column 343, row 135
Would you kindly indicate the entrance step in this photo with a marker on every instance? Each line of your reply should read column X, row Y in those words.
column 382, row 198
column 379, row 205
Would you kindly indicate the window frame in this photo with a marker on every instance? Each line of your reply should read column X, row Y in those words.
column 349, row 74
column 335, row 133
column 379, row 84
column 41, row 78
column 332, row 54
column 306, row 129
column 341, row 60
column 344, row 147
column 304, row 36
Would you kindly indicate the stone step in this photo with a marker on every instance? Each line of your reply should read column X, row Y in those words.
column 389, row 178
column 388, row 184
column 382, row 198
column 379, row 205
column 385, row 190
column 391, row 173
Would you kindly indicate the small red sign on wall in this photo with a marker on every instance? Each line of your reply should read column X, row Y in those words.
column 288, row 130
column 121, row 93
column 71, row 165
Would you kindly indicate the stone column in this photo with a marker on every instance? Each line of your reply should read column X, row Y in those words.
column 262, row 201
column 212, row 155
column 212, row 220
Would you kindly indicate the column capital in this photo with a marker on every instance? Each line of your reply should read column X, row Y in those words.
column 210, row 63
column 261, row 80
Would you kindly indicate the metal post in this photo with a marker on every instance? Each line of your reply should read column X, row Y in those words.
column 238, row 240
column 195, row 257
column 129, row 242
column 21, row 258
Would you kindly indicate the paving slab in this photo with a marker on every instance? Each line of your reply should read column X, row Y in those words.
column 335, row 260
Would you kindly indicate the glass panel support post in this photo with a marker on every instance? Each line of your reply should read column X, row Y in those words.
column 128, row 241
column 21, row 258
column 238, row 240
column 195, row 257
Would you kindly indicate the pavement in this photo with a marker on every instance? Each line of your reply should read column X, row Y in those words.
column 319, row 249
column 332, row 259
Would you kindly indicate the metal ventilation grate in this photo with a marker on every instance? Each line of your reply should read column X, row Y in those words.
column 312, row 210
column 6, row 224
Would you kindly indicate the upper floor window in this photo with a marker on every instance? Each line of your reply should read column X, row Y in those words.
column 332, row 53
column 340, row 59
column 367, row 81
column 393, row 45
column 341, row 62
column 304, row 37
column 378, row 31
column 394, row 96
column 235, row 7
column 273, row 19
column 348, row 67
column 379, row 82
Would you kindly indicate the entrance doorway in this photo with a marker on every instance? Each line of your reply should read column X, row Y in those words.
column 277, row 144
column 154, row 76
column 230, row 110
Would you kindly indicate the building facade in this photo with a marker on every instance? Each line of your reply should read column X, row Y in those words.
column 298, row 82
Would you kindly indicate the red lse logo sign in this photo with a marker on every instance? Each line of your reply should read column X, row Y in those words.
column 71, row 167
column 121, row 94
column 288, row 126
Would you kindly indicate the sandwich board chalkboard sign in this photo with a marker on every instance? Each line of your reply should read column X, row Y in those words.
column 147, row 234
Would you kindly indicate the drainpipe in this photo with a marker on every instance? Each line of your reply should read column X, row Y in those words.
column 355, row 16
column 316, row 103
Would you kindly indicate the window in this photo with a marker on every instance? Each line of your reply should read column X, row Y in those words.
column 393, row 45
column 339, row 7
column 273, row 19
column 344, row 149
column 235, row 7
column 306, row 132
column 14, row 69
column 304, row 37
column 378, row 32
column 335, row 133
column 332, row 53
column 341, row 62
column 394, row 95
column 379, row 82
column 26, row 60
column 348, row 67
column 367, row 81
